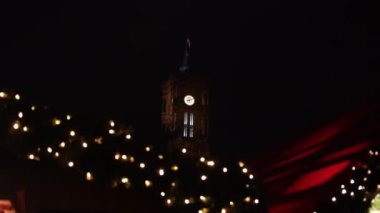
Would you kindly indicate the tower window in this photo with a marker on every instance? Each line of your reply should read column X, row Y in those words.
column 185, row 124
column 188, row 125
column 164, row 105
column 205, row 99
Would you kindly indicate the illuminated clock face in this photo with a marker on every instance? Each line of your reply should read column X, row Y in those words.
column 189, row 100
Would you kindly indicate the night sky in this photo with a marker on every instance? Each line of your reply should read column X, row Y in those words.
column 278, row 69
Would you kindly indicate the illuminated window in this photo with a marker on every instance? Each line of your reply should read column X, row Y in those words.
column 188, row 125
column 191, row 125
column 185, row 124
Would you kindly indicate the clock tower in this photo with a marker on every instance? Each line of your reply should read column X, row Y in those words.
column 185, row 112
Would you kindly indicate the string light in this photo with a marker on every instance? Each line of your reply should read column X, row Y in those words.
column 128, row 136
column 225, row 170
column 70, row 164
column 17, row 97
column 184, row 150
column 16, row 126
column 72, row 133
column 84, row 145
column 20, row 114
column 89, row 176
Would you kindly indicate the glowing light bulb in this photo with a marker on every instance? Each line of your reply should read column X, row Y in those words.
column 84, row 145
column 33, row 108
column 203, row 177
column 49, row 150
column 56, row 154
column 117, row 156
column 142, row 165
column 16, row 126
column 210, row 163
column 251, row 176
column 174, row 168
column 112, row 123
column 56, row 122
column 333, row 199
column 148, row 183
column 241, row 164
column 128, row 136
column 31, row 156
column 62, row 144
column 17, row 97
column 20, row 114
column 147, row 149
column 72, row 133
column 202, row 159
column 344, row 191
column 184, row 150
column 225, row 170
column 68, row 117
column 247, row 199
column 124, row 180
column 25, row 129
column 168, row 202
column 244, row 170
column 187, row 201
column 70, row 164
column 256, row 201
column 111, row 131
column 89, row 176
column 162, row 194
column 161, row 172
column 203, row 198
column 124, row 157
column 3, row 94
column 223, row 210
column 161, row 157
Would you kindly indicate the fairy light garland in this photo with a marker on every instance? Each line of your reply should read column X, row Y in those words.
column 180, row 180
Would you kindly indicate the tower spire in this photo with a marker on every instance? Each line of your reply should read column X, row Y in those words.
column 185, row 62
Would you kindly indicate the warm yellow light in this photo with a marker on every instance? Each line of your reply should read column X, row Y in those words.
column 99, row 140
column 112, row 123
column 251, row 176
column 162, row 194
column 84, row 145
column 56, row 122
column 142, row 165
column 56, row 154
column 161, row 172
column 33, row 108
column 232, row 203
column 20, row 114
column 117, row 156
column 168, row 202
column 203, row 198
column 3, row 95
column 147, row 149
column 62, row 144
column 352, row 181
column 353, row 168
column 25, row 129
column 200, row 211
column 131, row 159
column 17, row 97
column 161, row 157
column 72, row 133
column 223, row 210
column 202, row 159
column 369, row 171
column 344, row 191
column 210, row 163
column 174, row 168
column 203, row 177
column 256, row 201
column 124, row 157
column 187, row 201
column 70, row 164
column 31, row 156
column 244, row 170
column 128, row 136
column 184, row 150
column 247, row 186
column 247, row 199
column 333, row 199
column 241, row 164
column 124, row 180
column 360, row 187
column 49, row 149
column 352, row 194
column 89, row 176
column 68, row 117
column 173, row 184
column 225, row 170
column 148, row 183
column 16, row 126
column 111, row 131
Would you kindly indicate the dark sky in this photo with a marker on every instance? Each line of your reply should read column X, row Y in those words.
column 279, row 69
